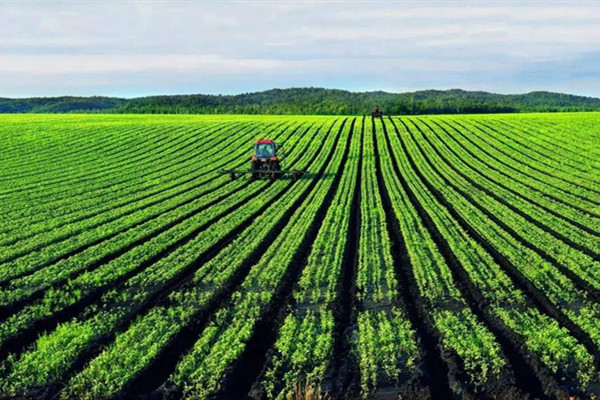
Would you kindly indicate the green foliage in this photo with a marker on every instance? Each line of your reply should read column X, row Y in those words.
column 313, row 101
column 385, row 345
column 117, row 236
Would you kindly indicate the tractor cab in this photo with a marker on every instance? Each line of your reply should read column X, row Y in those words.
column 265, row 149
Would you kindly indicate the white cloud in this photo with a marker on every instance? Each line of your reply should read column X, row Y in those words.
column 455, row 10
column 51, row 64
column 57, row 64
column 307, row 42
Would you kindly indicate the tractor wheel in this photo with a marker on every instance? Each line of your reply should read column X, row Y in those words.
column 275, row 167
column 255, row 170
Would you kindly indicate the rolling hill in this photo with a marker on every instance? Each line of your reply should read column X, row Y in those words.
column 311, row 101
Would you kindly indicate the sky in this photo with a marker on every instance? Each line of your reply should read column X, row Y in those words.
column 138, row 48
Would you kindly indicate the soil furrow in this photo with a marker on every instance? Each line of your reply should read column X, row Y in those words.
column 579, row 282
column 25, row 338
column 546, row 209
column 519, row 280
column 345, row 308
column 437, row 370
column 522, row 171
column 524, row 181
column 238, row 381
column 521, row 363
column 154, row 377
column 513, row 150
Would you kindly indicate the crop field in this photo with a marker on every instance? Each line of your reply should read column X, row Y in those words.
column 419, row 257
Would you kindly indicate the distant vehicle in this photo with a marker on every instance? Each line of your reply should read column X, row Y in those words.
column 376, row 113
column 264, row 163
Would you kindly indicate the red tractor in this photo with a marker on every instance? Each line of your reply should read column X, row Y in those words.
column 264, row 163
column 264, row 160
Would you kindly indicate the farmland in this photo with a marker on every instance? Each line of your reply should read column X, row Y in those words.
column 422, row 256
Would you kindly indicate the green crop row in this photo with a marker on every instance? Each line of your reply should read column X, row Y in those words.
column 581, row 264
column 199, row 373
column 101, row 231
column 133, row 350
column 455, row 255
column 31, row 260
column 62, row 144
column 384, row 343
column 443, row 305
column 504, row 300
column 522, row 171
column 465, row 158
column 52, row 231
column 553, row 148
column 158, row 142
column 116, row 306
column 578, row 134
column 565, row 167
column 124, row 181
column 303, row 351
column 77, row 197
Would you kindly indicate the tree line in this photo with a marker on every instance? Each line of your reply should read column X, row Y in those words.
column 313, row 101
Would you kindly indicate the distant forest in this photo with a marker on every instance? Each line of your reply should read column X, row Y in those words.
column 314, row 101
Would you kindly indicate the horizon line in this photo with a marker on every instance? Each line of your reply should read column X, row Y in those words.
column 290, row 88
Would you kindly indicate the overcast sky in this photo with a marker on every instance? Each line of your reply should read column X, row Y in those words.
column 135, row 48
